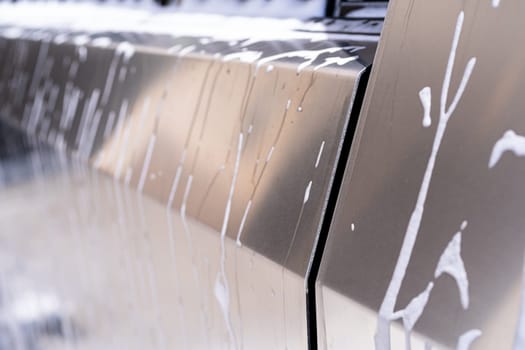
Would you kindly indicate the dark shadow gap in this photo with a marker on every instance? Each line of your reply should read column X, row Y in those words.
column 311, row 310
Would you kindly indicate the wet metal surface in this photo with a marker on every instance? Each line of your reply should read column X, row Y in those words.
column 429, row 227
column 217, row 156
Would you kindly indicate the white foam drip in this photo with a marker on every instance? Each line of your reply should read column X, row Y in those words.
column 425, row 97
column 81, row 40
column 31, row 306
column 382, row 337
column 509, row 142
column 319, row 154
column 243, row 221
column 101, row 42
column 451, row 263
column 467, row 338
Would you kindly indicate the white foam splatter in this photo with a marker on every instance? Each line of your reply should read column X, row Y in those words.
column 509, row 142
column 451, row 262
column 425, row 97
column 340, row 61
column 382, row 337
column 185, row 200
column 243, row 56
column 352, row 227
column 495, row 3
column 412, row 312
column 188, row 49
column 60, row 38
column 82, row 53
column 125, row 49
column 81, row 40
column 467, row 338
column 101, row 42
column 309, row 56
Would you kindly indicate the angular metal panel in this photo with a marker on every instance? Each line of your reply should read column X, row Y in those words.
column 426, row 195
column 220, row 156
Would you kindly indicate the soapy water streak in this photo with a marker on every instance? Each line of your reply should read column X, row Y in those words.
column 386, row 311
column 222, row 292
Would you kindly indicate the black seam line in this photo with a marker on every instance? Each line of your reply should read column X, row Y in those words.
column 330, row 8
column 311, row 304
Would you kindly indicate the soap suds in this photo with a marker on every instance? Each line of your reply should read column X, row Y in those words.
column 340, row 61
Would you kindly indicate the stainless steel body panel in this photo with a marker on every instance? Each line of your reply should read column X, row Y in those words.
column 219, row 158
column 470, row 190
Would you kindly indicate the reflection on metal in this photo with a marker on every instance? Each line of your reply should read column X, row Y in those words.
column 220, row 156
column 401, row 265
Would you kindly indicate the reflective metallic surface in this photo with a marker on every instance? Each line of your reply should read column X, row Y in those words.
column 384, row 179
column 188, row 182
